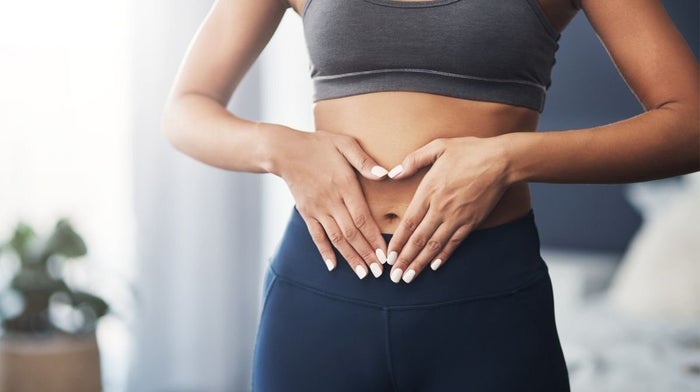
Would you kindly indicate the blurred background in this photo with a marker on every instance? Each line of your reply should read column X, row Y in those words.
column 178, row 248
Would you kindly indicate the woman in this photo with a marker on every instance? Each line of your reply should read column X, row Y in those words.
column 423, row 149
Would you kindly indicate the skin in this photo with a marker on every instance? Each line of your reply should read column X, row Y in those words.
column 465, row 164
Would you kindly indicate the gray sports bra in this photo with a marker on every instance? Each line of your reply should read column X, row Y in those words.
column 488, row 50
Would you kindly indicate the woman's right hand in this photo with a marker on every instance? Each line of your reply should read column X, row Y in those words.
column 318, row 169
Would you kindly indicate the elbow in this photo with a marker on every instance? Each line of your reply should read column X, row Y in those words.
column 686, row 114
column 686, row 128
column 690, row 123
column 690, row 118
column 168, row 124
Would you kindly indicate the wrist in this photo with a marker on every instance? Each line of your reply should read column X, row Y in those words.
column 516, row 148
column 269, row 145
column 275, row 140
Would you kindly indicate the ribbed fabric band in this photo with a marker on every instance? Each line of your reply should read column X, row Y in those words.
column 459, row 86
column 489, row 262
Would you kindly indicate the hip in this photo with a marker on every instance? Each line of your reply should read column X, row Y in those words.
column 491, row 261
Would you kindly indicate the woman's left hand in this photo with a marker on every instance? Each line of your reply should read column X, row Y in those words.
column 467, row 178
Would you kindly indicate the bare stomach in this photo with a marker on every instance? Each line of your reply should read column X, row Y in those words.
column 389, row 125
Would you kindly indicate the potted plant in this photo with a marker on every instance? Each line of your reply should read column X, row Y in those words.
column 48, row 340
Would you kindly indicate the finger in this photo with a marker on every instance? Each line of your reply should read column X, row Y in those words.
column 359, row 159
column 422, row 157
column 362, row 217
column 337, row 239
column 357, row 241
column 440, row 238
column 459, row 235
column 318, row 235
column 419, row 239
column 413, row 216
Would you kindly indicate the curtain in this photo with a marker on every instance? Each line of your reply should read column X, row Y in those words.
column 198, row 230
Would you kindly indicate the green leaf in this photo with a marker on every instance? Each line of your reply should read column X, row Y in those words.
column 36, row 280
column 64, row 241
column 21, row 239
column 97, row 304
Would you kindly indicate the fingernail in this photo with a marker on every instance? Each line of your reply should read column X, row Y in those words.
column 435, row 264
column 329, row 264
column 395, row 171
column 361, row 271
column 408, row 276
column 392, row 257
column 376, row 269
column 396, row 275
column 380, row 255
column 379, row 171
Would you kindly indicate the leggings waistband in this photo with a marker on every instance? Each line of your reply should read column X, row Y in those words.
column 492, row 261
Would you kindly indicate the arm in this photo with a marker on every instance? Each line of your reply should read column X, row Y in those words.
column 469, row 175
column 196, row 122
column 664, row 141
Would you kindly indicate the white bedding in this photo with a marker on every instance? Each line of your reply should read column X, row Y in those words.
column 609, row 351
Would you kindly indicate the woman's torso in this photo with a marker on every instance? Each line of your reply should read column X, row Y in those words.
column 391, row 124
column 419, row 118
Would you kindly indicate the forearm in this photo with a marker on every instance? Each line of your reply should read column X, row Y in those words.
column 203, row 129
column 659, row 143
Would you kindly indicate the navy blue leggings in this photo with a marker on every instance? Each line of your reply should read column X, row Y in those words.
column 484, row 321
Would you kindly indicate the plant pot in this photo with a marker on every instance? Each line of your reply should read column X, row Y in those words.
column 54, row 363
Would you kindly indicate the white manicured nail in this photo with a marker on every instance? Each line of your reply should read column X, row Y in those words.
column 396, row 275
column 379, row 171
column 408, row 276
column 380, row 255
column 435, row 264
column 395, row 171
column 376, row 269
column 392, row 257
column 361, row 271
column 329, row 264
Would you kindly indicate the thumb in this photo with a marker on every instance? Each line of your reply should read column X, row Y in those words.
column 360, row 160
column 422, row 157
